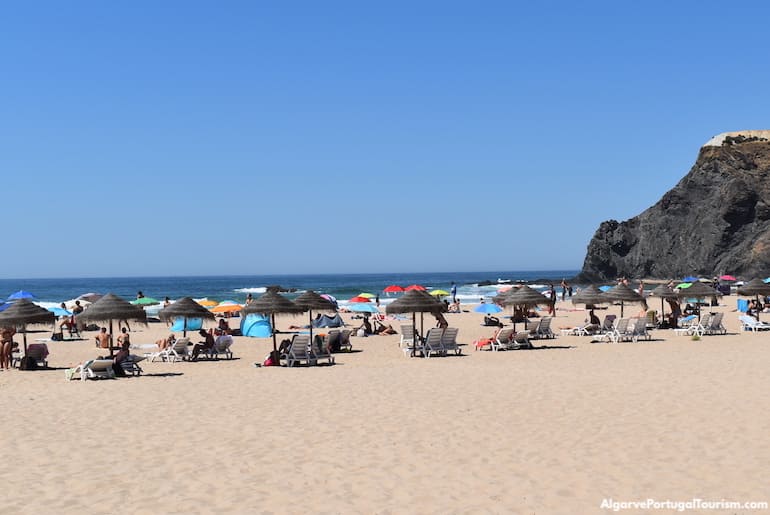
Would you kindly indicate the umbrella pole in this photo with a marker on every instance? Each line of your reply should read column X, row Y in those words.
column 275, row 348
column 24, row 335
column 184, row 328
column 662, row 309
column 414, row 329
column 757, row 308
column 110, row 344
column 310, row 315
column 621, row 309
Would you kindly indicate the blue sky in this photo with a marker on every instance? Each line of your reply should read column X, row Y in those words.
column 185, row 138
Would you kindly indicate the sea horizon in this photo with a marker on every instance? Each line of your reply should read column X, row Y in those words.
column 237, row 286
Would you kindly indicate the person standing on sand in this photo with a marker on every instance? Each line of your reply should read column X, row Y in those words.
column 453, row 291
column 6, row 346
column 552, row 304
column 563, row 289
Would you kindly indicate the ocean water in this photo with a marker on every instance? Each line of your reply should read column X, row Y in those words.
column 341, row 286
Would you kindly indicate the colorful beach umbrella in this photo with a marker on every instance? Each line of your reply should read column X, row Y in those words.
column 207, row 302
column 487, row 308
column 59, row 312
column 727, row 278
column 367, row 295
column 226, row 308
column 364, row 308
column 689, row 279
column 415, row 287
column 21, row 294
column 145, row 301
column 393, row 288
column 358, row 299
column 439, row 293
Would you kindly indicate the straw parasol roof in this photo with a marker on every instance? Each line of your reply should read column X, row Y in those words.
column 184, row 308
column 310, row 301
column 590, row 295
column 524, row 296
column 415, row 301
column 664, row 292
column 755, row 287
column 698, row 290
column 24, row 312
column 111, row 307
column 623, row 294
column 270, row 303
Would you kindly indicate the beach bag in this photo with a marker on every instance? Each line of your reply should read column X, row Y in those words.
column 57, row 337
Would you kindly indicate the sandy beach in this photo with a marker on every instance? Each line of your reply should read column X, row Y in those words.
column 557, row 429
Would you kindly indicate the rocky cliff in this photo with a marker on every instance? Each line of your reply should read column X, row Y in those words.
column 716, row 220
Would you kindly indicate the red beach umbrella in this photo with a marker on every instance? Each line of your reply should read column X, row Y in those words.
column 726, row 278
column 393, row 288
column 416, row 287
column 359, row 299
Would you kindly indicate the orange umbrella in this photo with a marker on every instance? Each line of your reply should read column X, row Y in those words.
column 207, row 303
column 226, row 308
column 359, row 299
column 416, row 287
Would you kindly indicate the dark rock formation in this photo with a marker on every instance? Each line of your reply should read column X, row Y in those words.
column 715, row 221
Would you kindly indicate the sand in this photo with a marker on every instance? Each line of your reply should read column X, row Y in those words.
column 552, row 430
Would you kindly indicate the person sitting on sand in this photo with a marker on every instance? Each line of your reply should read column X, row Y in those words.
column 204, row 345
column 103, row 340
column 124, row 338
column 491, row 321
column 165, row 343
column 380, row 328
column 6, row 346
column 366, row 326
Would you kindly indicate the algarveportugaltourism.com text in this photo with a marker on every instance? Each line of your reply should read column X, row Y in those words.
column 692, row 504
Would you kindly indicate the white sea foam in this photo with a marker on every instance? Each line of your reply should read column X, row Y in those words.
column 260, row 289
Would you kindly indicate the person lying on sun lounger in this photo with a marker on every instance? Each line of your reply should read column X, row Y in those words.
column 492, row 321
column 164, row 343
column 380, row 328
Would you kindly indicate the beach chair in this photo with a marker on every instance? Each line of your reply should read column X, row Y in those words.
column 749, row 323
column 532, row 327
column 36, row 351
column 520, row 340
column 618, row 332
column 299, row 351
column 321, row 349
column 345, row 344
column 331, row 339
column 433, row 342
column 544, row 328
column 687, row 325
column 92, row 369
column 715, row 325
column 608, row 325
column 410, row 341
column 503, row 339
column 449, row 341
column 177, row 351
column 131, row 365
column 652, row 319
column 639, row 330
column 221, row 347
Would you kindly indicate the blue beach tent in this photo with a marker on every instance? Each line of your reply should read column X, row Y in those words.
column 193, row 324
column 256, row 326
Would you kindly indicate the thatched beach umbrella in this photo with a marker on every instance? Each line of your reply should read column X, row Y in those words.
column 755, row 288
column 523, row 297
column 698, row 291
column 415, row 301
column 271, row 303
column 109, row 308
column 664, row 292
column 590, row 296
column 24, row 312
column 623, row 293
column 310, row 301
column 184, row 308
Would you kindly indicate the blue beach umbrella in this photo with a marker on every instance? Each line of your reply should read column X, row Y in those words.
column 21, row 294
column 766, row 280
column 4, row 306
column 59, row 312
column 689, row 279
column 487, row 308
column 363, row 307
column 605, row 288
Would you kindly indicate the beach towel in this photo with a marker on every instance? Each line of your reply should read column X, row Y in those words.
column 743, row 305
